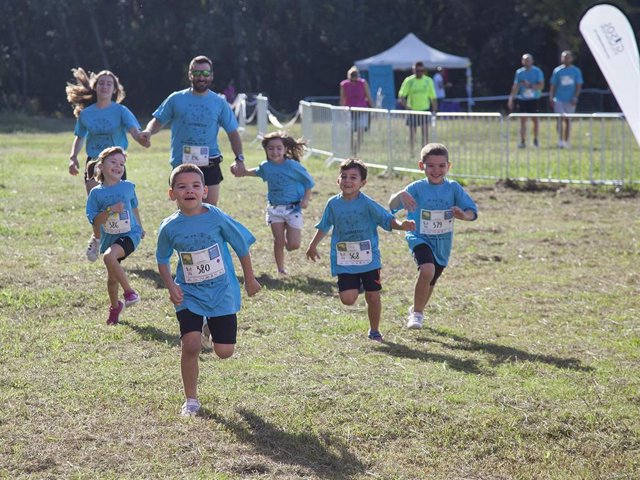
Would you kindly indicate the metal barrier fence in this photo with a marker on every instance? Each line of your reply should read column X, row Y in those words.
column 481, row 145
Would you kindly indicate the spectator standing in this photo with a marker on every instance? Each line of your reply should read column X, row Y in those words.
column 527, row 88
column 564, row 89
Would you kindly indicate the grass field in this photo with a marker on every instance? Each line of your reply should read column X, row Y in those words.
column 529, row 367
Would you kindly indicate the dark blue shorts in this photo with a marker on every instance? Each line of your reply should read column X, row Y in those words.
column 127, row 245
column 224, row 329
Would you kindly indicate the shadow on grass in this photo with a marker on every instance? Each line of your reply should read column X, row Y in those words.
column 148, row 274
column 327, row 456
column 399, row 350
column 148, row 332
column 304, row 284
column 503, row 354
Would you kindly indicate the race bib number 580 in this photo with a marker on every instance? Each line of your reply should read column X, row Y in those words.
column 202, row 265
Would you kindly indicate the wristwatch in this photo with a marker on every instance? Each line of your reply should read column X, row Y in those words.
column 240, row 158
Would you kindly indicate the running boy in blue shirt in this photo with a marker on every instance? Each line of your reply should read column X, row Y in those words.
column 433, row 203
column 355, row 256
column 205, row 285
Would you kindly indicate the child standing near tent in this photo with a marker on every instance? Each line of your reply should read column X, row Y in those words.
column 289, row 190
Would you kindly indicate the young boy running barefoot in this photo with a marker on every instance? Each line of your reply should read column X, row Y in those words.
column 433, row 203
column 113, row 206
column 355, row 256
column 205, row 286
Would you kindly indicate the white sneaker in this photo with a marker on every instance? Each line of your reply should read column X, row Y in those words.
column 190, row 408
column 414, row 320
column 93, row 249
column 206, row 341
column 561, row 144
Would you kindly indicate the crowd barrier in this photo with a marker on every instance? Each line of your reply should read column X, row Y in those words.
column 602, row 148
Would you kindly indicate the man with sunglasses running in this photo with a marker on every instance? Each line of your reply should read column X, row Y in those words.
column 196, row 114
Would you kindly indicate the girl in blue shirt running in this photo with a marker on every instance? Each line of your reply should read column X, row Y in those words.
column 113, row 206
column 289, row 190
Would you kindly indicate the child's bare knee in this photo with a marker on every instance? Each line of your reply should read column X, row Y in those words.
column 223, row 350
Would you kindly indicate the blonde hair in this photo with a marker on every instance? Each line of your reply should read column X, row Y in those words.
column 104, row 154
column 353, row 69
column 293, row 148
column 82, row 93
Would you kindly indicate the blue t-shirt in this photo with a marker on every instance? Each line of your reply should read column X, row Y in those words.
column 204, row 258
column 565, row 79
column 354, row 241
column 286, row 181
column 195, row 121
column 118, row 225
column 105, row 127
column 434, row 217
column 533, row 76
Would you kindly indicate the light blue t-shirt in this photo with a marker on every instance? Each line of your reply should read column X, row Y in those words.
column 434, row 215
column 105, row 127
column 103, row 196
column 195, row 121
column 354, row 241
column 533, row 76
column 565, row 79
column 286, row 181
column 204, row 258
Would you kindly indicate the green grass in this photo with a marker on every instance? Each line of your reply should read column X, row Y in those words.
column 529, row 367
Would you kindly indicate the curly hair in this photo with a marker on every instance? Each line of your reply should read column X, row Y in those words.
column 82, row 93
column 294, row 149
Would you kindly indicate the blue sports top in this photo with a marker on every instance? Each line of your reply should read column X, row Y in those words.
column 434, row 217
column 195, row 121
column 105, row 127
column 354, row 241
column 205, row 269
column 286, row 181
column 118, row 225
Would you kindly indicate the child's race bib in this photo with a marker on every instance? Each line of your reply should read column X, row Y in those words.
column 117, row 223
column 202, row 265
column 197, row 155
column 436, row 222
column 354, row 253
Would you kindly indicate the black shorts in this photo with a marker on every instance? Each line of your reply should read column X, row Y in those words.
column 213, row 173
column 223, row 329
column 370, row 281
column 127, row 245
column 423, row 254
column 90, row 169
column 528, row 106
column 418, row 120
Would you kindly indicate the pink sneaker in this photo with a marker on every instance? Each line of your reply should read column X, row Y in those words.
column 130, row 298
column 114, row 314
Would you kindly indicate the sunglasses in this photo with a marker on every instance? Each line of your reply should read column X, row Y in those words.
column 201, row 73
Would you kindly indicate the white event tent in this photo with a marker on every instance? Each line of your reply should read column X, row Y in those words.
column 411, row 49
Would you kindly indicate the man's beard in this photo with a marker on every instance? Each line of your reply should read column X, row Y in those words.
column 200, row 87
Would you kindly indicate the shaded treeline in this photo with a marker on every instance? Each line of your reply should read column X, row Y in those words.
column 287, row 49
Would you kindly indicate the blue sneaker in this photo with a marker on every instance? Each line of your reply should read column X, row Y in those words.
column 375, row 335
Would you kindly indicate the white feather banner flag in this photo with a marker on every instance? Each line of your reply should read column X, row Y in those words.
column 610, row 38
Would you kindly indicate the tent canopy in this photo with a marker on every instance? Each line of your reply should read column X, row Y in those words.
column 409, row 50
